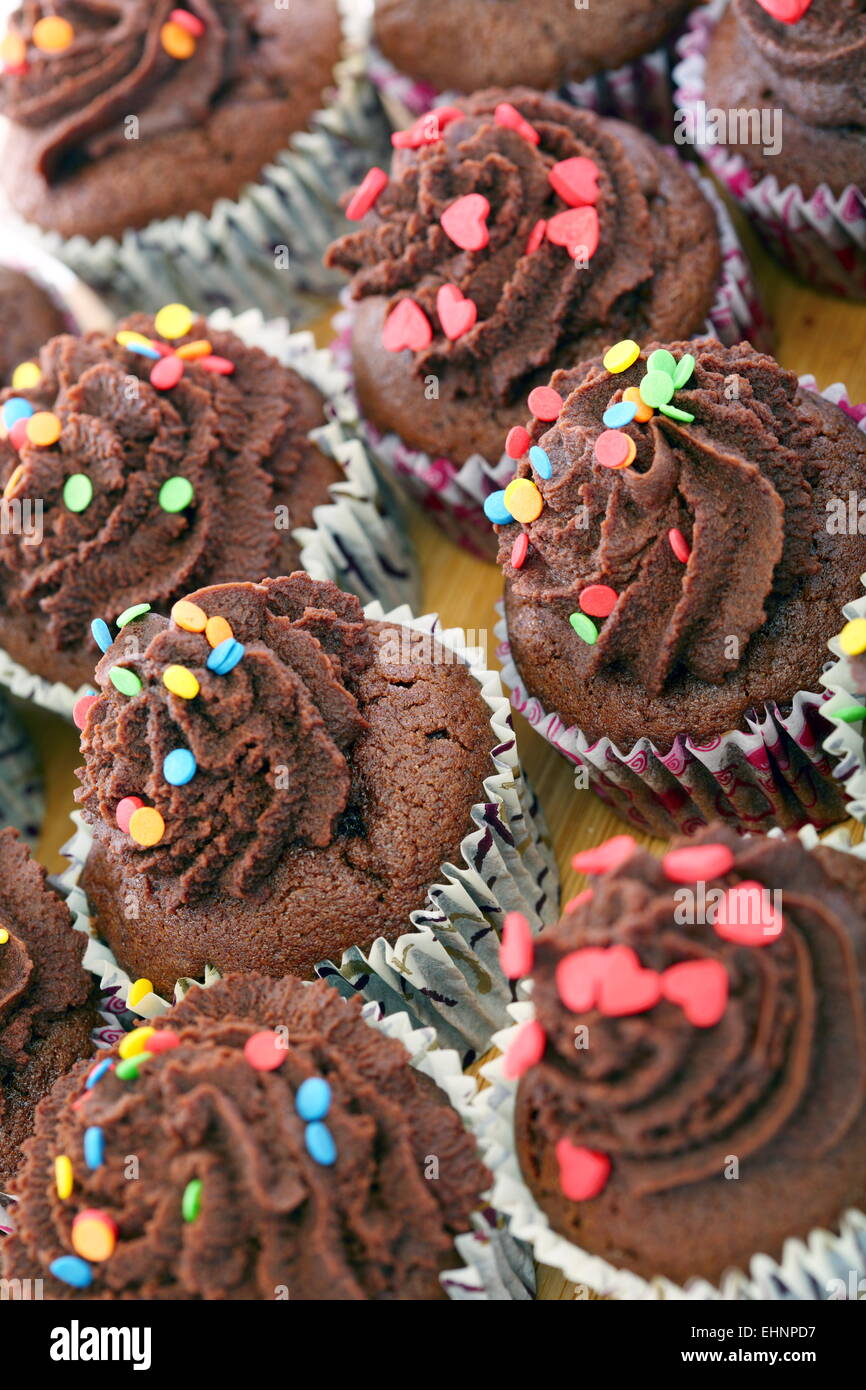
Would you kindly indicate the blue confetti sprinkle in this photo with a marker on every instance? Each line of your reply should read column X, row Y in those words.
column 16, row 408
column 97, row 1074
column 540, row 462
column 101, row 634
column 225, row 657
column 620, row 414
column 495, row 509
column 69, row 1269
column 143, row 351
column 320, row 1144
column 313, row 1100
column 94, row 1147
column 179, row 767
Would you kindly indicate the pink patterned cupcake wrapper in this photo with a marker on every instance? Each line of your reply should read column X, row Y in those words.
column 454, row 493
column 821, row 238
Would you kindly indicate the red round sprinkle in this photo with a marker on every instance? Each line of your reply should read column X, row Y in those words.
column 578, row 977
column 576, row 181
column 679, row 545
column 545, row 403
column 190, row 22
column 525, row 1051
column 698, row 865
column 18, row 434
column 598, row 600
column 125, row 810
column 583, row 1173
column 516, row 951
column 536, row 237
column 747, row 916
column 80, row 708
column 163, row 1040
column 221, row 365
column 613, row 449
column 518, row 442
column 265, row 1051
column 519, row 551
column 366, row 194
column 700, row 987
column 626, row 987
column 604, row 858
column 166, row 373
column 509, row 116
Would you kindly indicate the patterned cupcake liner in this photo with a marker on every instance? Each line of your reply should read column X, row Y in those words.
column 445, row 971
column 821, row 238
column 21, row 800
column 83, row 311
column 453, row 493
column 359, row 537
column 774, row 771
column 825, row 1266
column 231, row 258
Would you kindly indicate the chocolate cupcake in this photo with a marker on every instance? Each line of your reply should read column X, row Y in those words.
column 774, row 96
column 266, row 1105
column 516, row 235
column 46, row 1003
column 154, row 131
column 29, row 316
column 166, row 455
column 692, row 1089
column 672, row 587
column 269, row 778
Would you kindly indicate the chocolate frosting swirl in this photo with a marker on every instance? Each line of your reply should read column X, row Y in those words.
column 239, row 439
column 737, row 482
column 782, row 1072
column 370, row 1226
column 657, row 259
column 116, row 64
column 815, row 68
column 271, row 739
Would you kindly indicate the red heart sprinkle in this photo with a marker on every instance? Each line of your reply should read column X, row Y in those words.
column 465, row 222
column 578, row 977
column 366, row 194
column 427, row 129
column 576, row 181
column 598, row 600
column 545, row 403
column 788, row 11
column 509, row 116
column 576, row 230
column 583, row 1173
column 457, row 314
column 519, row 551
column 574, row 903
column 536, row 237
column 407, row 326
column 626, row 988
column 700, row 987
column 518, row 442
column 166, row 373
column 606, row 857
column 525, row 1051
column 747, row 916
column 698, row 865
column 516, row 951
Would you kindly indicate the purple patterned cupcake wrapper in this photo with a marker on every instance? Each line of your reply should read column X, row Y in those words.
column 453, row 493
column 821, row 238
column 444, row 971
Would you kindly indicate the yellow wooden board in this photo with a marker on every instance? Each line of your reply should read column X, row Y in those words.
column 814, row 333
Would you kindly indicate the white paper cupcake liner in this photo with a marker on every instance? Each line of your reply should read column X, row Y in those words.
column 821, row 238
column 359, row 539
column 774, row 771
column 228, row 259
column 21, row 800
column 453, row 493
column 445, row 971
column 823, row 1266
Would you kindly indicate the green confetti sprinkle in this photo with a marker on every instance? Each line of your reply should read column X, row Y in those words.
column 674, row 412
column 852, row 714
column 656, row 389
column 684, row 371
column 124, row 680
column 585, row 628
column 191, row 1201
column 662, row 361
column 176, row 494
column 136, row 611
column 78, row 492
column 129, row 1067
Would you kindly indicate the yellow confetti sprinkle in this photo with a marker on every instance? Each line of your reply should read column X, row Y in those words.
column 26, row 375
column 852, row 638
column 189, row 616
column 621, row 356
column 138, row 991
column 146, row 826
column 43, row 428
column 63, row 1176
column 4, row 936
column 52, row 34
column 173, row 321
column 14, row 479
column 181, row 681
column 523, row 500
column 135, row 1042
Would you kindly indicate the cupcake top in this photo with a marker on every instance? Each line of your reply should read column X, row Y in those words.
column 44, row 1026
column 816, row 53
column 162, row 456
column 516, row 230
column 207, row 780
column 673, row 507
column 73, row 72
column 723, row 990
column 261, row 1109
column 29, row 316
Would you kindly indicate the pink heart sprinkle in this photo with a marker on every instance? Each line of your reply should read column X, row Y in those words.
column 748, row 916
column 465, row 222
column 516, row 951
column 698, row 865
column 626, row 987
column 604, row 858
column 508, row 116
column 583, row 1173
column 576, row 181
column 407, row 326
column 578, row 977
column 536, row 237
column 525, row 1051
column 457, row 314
column 366, row 194
column 700, row 988
column 788, row 11
column 577, row 230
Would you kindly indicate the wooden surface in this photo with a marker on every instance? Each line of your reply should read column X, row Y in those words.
column 813, row 334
